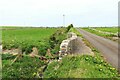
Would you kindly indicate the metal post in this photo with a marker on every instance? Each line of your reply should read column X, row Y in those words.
column 63, row 20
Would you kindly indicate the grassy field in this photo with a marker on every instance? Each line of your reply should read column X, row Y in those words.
column 80, row 67
column 26, row 39
column 71, row 66
column 111, row 32
column 28, row 34
column 108, row 29
column 25, row 67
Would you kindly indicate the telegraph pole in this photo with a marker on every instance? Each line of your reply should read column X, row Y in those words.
column 63, row 20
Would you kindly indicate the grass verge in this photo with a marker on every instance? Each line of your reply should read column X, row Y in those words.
column 81, row 66
column 84, row 66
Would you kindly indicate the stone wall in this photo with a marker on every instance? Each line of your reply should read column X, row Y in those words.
column 69, row 45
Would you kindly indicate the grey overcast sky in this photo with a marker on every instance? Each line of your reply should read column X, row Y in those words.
column 50, row 12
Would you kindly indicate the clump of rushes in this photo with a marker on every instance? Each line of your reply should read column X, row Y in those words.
column 56, row 39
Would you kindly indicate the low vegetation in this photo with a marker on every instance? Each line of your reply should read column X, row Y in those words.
column 99, row 34
column 80, row 67
column 28, row 38
column 75, row 31
column 109, row 34
column 107, row 29
column 69, row 27
column 25, row 39
column 71, row 66
column 56, row 39
column 26, row 67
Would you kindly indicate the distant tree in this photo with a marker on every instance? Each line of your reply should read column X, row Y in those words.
column 69, row 27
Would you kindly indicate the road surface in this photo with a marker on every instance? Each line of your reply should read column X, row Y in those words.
column 81, row 48
column 108, row 48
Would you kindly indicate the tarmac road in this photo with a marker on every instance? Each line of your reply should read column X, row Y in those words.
column 108, row 48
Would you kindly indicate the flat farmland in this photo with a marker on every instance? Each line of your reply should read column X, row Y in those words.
column 27, row 38
column 27, row 34
column 108, row 29
column 47, row 41
column 106, row 32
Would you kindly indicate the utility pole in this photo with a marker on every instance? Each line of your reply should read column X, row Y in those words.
column 63, row 20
